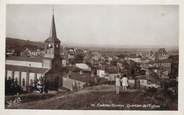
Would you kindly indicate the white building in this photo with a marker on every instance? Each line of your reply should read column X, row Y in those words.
column 101, row 73
column 25, row 70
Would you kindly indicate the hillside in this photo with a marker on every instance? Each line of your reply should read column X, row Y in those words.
column 19, row 44
column 102, row 97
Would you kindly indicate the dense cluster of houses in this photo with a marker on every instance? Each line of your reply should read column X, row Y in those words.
column 150, row 68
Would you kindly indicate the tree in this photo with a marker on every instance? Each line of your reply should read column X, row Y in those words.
column 134, row 70
column 79, row 58
column 11, row 87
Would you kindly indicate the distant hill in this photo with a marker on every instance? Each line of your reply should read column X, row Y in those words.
column 19, row 44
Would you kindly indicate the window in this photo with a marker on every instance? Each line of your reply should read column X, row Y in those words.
column 23, row 82
column 31, row 82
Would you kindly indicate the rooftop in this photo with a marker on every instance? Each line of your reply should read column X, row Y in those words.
column 53, row 34
column 21, row 58
column 25, row 69
column 84, row 77
column 83, row 66
column 161, row 61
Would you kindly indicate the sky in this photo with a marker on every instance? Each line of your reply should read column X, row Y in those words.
column 121, row 26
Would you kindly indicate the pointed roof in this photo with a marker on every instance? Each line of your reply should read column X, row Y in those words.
column 53, row 34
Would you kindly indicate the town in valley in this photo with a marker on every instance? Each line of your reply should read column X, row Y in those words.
column 51, row 75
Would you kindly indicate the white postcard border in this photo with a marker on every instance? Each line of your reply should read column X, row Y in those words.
column 106, row 2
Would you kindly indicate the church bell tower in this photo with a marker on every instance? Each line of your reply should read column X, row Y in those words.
column 52, row 46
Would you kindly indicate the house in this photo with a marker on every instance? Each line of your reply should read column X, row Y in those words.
column 142, row 79
column 161, row 65
column 72, row 83
column 26, row 53
column 101, row 73
column 37, row 52
column 112, row 76
column 135, row 59
column 83, row 67
column 76, row 80
column 131, row 83
column 25, row 70
column 10, row 52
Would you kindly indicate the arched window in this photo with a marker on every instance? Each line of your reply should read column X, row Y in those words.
column 9, row 78
column 31, row 82
column 16, row 81
column 23, row 82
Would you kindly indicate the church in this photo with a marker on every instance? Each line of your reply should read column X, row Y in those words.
column 25, row 70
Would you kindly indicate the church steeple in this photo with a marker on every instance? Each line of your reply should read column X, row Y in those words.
column 53, row 33
column 52, row 44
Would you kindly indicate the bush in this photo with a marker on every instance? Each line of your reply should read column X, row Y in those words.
column 12, row 88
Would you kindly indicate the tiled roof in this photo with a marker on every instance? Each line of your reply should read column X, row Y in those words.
column 20, row 58
column 25, row 69
column 161, row 61
column 85, row 77
column 83, row 66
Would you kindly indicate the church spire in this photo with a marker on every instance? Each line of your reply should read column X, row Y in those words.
column 53, row 33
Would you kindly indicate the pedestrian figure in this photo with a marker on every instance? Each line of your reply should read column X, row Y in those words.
column 74, row 86
column 40, row 86
column 118, row 84
column 10, row 103
column 124, row 82
column 17, row 98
